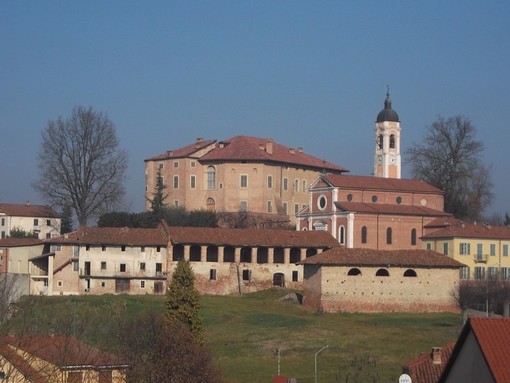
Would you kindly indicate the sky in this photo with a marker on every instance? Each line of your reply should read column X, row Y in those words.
column 309, row 74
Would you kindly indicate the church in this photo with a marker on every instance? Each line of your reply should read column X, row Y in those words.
column 383, row 211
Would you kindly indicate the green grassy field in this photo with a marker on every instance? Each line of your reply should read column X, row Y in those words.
column 244, row 332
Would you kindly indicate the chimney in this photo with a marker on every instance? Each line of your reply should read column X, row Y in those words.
column 199, row 140
column 436, row 355
column 269, row 146
column 292, row 151
column 28, row 203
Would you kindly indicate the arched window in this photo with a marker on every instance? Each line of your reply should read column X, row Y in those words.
column 354, row 271
column 388, row 236
column 413, row 237
column 392, row 141
column 382, row 273
column 380, row 141
column 341, row 235
column 211, row 177
column 364, row 234
column 210, row 204
column 409, row 273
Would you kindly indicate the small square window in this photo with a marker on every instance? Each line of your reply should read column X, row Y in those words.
column 142, row 266
column 193, row 164
column 48, row 222
column 158, row 249
column 176, row 164
column 246, row 275
column 160, row 165
column 103, row 265
column 60, row 283
column 123, row 248
column 122, row 267
column 142, row 284
column 103, row 283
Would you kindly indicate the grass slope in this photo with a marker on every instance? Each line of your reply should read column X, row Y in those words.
column 244, row 332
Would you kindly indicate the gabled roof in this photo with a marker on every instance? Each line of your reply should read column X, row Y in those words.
column 493, row 338
column 423, row 369
column 183, row 152
column 379, row 183
column 27, row 210
column 20, row 242
column 380, row 208
column 453, row 228
column 24, row 367
column 342, row 256
column 113, row 236
column 250, row 237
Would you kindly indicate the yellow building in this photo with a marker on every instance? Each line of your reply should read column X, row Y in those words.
column 239, row 174
column 482, row 248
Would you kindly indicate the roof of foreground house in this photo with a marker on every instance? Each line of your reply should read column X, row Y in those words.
column 342, row 256
column 254, row 149
column 451, row 228
column 423, row 369
column 27, row 210
column 493, row 338
column 20, row 242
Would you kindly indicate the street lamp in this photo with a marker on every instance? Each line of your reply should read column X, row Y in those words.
column 317, row 353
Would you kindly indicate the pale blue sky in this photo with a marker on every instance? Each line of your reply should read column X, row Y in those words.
column 306, row 73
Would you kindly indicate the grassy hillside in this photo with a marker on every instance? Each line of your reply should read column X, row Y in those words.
column 244, row 332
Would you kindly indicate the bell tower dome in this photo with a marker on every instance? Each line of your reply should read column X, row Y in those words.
column 387, row 159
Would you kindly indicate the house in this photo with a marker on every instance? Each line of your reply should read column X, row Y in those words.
column 366, row 280
column 52, row 359
column 38, row 219
column 15, row 253
column 483, row 248
column 481, row 353
column 428, row 367
column 242, row 173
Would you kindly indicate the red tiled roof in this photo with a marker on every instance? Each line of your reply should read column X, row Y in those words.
column 250, row 237
column 451, row 228
column 23, row 366
column 27, row 210
column 381, row 208
column 20, row 242
column 63, row 351
column 113, row 236
column 493, row 338
column 422, row 369
column 380, row 183
column 341, row 256
column 185, row 151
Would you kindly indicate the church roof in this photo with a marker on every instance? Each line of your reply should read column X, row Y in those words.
column 387, row 114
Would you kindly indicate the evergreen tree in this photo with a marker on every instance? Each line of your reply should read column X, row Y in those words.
column 66, row 223
column 182, row 300
column 158, row 199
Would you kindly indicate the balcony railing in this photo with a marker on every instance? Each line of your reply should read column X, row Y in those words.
column 481, row 258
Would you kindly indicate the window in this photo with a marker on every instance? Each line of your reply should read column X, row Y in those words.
column 388, row 236
column 465, row 249
column 123, row 248
column 374, row 198
column 392, row 141
column 341, row 235
column 87, row 247
column 380, row 141
column 74, row 377
column 103, row 284
column 36, row 222
column 60, row 283
column 295, row 276
column 3, row 221
column 479, row 273
column 160, row 165
column 269, row 206
column 159, row 268
column 3, row 234
column 192, row 182
column 244, row 181
column 48, row 235
column 296, row 208
column 142, row 266
column 479, row 249
column 48, row 222
column 212, row 274
column 464, row 273
column 304, row 185
column 429, row 246
column 322, row 202
column 445, row 248
column 364, row 234
column 142, row 284
column 492, row 272
column 243, row 206
column 211, row 177
column 122, row 267
column 409, row 273
column 158, row 249
column 382, row 273
column 285, row 208
column 505, row 250
column 399, row 200
column 296, row 185
column 270, row 182
column 246, row 275
column 176, row 164
column 55, row 247
column 176, row 182
column 103, row 247
column 505, row 273
column 492, row 249
column 349, row 197
column 285, row 184
column 142, row 249
column 354, row 271
column 103, row 265
column 413, row 237
column 76, row 266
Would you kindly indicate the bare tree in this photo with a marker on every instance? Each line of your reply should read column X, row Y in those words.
column 81, row 165
column 450, row 158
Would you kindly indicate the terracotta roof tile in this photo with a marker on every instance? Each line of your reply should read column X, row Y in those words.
column 451, row 228
column 380, row 208
column 23, row 366
column 20, row 242
column 380, row 183
column 185, row 151
column 250, row 237
column 113, row 236
column 341, row 256
column 422, row 369
column 27, row 210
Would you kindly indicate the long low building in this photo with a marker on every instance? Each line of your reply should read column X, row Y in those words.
column 365, row 280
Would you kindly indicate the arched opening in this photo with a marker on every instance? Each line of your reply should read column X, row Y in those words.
column 392, row 141
column 413, row 237
column 364, row 234
column 311, row 252
column 354, row 271
column 410, row 273
column 380, row 141
column 178, row 253
column 295, row 255
column 195, row 253
column 278, row 255
column 229, row 254
column 341, row 235
column 212, row 254
column 388, row 236
column 279, row 279
column 210, row 204
column 262, row 255
column 246, row 254
column 211, row 177
column 382, row 273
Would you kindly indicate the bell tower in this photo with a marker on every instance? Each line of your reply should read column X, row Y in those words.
column 387, row 159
